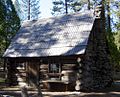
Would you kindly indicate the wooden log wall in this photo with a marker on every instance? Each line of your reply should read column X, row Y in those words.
column 21, row 72
column 28, row 72
column 43, row 71
column 69, row 71
column 67, row 75
column 37, row 70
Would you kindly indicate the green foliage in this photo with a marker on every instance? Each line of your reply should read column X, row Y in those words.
column 114, row 35
column 110, row 16
column 2, row 28
column 58, row 8
column 2, row 80
column 28, row 9
column 117, row 25
column 73, row 6
column 117, row 40
column 114, row 51
column 9, row 24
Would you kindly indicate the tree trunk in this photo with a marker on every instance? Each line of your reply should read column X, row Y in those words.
column 29, row 10
column 66, row 7
column 108, row 17
column 88, row 4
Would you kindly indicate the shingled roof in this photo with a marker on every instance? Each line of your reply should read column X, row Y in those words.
column 65, row 35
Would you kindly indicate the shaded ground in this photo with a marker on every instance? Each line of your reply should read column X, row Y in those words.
column 67, row 94
column 113, row 91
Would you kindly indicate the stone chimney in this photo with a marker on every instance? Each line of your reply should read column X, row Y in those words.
column 97, row 72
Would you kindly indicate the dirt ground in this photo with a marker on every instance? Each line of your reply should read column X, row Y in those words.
column 113, row 91
column 65, row 94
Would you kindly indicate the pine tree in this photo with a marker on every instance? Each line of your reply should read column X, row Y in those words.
column 117, row 13
column 112, row 28
column 28, row 9
column 2, row 28
column 12, row 20
column 114, row 36
column 9, row 24
column 112, row 9
column 108, row 18
column 59, row 6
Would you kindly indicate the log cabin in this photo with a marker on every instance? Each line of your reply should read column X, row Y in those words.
column 64, row 53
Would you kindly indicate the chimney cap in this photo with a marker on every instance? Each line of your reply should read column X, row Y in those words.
column 97, row 11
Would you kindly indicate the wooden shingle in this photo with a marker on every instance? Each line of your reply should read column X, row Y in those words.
column 65, row 35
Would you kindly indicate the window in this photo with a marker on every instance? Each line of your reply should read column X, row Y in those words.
column 54, row 68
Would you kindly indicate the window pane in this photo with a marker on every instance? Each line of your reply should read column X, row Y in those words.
column 54, row 68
